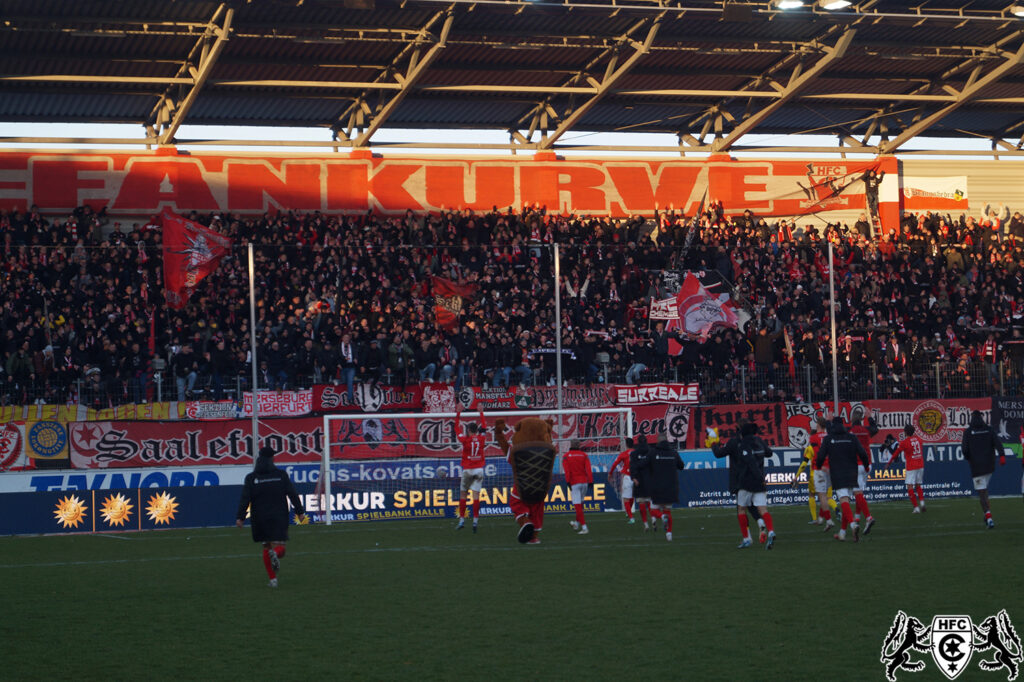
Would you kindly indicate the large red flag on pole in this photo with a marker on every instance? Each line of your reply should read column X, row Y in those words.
column 191, row 252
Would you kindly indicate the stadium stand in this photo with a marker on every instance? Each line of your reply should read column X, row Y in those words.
column 935, row 311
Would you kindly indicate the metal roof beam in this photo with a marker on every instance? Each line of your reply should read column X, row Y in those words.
column 797, row 83
column 791, row 60
column 170, row 111
column 354, row 116
column 417, row 67
column 539, row 114
column 971, row 90
column 920, row 90
column 612, row 76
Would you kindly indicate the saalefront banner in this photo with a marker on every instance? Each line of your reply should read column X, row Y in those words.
column 144, row 183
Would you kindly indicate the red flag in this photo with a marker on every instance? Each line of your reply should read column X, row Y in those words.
column 790, row 361
column 448, row 300
column 700, row 308
column 191, row 252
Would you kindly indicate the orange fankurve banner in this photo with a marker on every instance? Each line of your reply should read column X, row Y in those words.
column 144, row 183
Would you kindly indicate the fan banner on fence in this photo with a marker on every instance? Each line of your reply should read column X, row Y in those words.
column 191, row 252
column 646, row 394
column 934, row 194
column 141, row 183
column 935, row 421
column 1008, row 421
column 12, row 448
column 367, row 398
column 769, row 417
column 139, row 444
column 472, row 399
column 448, row 296
column 271, row 404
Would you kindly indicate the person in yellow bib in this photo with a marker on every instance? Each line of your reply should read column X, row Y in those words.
column 816, row 499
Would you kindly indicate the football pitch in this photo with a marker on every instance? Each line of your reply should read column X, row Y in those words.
column 420, row 600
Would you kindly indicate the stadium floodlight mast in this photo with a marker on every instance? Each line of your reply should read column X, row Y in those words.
column 428, row 441
column 832, row 319
column 252, row 356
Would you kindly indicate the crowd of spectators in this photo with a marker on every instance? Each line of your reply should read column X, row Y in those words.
column 934, row 308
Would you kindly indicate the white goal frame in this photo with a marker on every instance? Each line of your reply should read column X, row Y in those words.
column 625, row 412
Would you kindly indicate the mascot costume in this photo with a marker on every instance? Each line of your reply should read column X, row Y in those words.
column 531, row 454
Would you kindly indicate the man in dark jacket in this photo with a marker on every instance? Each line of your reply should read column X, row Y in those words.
column 981, row 446
column 267, row 491
column 746, row 458
column 662, row 471
column 843, row 452
column 639, row 467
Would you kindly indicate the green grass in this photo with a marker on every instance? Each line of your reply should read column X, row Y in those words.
column 418, row 600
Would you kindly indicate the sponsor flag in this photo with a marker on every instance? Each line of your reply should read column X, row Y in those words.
column 704, row 302
column 448, row 298
column 191, row 252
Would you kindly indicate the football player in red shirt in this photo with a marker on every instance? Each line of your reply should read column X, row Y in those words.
column 579, row 475
column 912, row 449
column 473, row 443
column 626, row 486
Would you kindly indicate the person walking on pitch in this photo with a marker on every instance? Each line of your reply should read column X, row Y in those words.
column 579, row 475
column 473, row 443
column 912, row 449
column 265, row 493
column 844, row 453
column 981, row 446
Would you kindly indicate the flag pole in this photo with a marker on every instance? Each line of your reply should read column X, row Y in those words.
column 558, row 332
column 252, row 356
column 832, row 318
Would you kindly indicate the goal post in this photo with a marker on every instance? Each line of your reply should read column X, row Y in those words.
column 407, row 465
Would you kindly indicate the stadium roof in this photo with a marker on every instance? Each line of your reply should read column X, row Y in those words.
column 873, row 75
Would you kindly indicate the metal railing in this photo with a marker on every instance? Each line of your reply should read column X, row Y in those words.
column 809, row 383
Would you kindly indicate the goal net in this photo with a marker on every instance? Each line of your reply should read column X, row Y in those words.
column 401, row 466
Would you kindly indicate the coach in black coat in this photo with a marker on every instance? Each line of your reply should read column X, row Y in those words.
column 981, row 446
column 662, row 467
column 267, row 489
column 639, row 467
column 843, row 451
column 746, row 459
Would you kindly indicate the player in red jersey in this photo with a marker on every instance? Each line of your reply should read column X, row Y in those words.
column 626, row 486
column 579, row 475
column 473, row 443
column 912, row 449
column 863, row 434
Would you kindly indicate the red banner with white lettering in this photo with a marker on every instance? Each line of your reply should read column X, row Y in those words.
column 100, row 445
column 141, row 183
column 626, row 395
column 191, row 252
